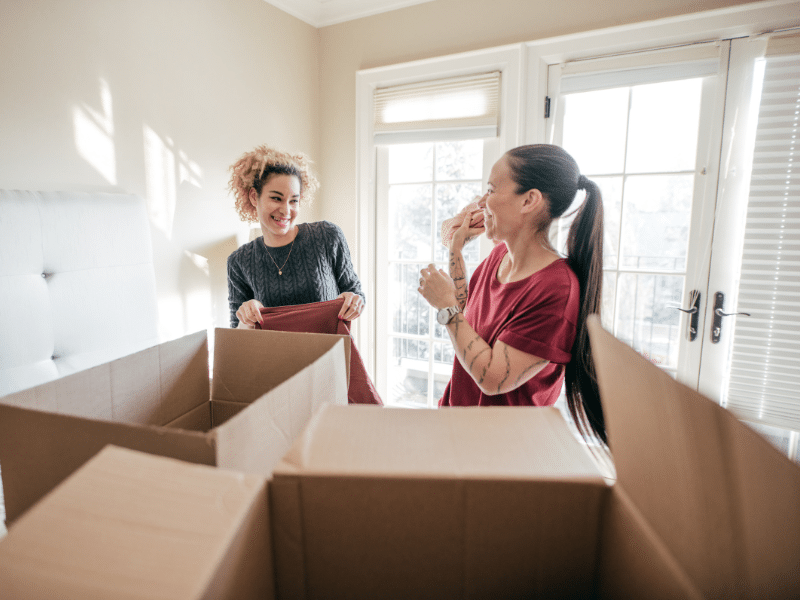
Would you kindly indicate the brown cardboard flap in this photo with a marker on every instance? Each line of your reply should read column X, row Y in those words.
column 767, row 488
column 150, row 387
column 183, row 367
column 634, row 563
column 370, row 537
column 703, row 482
column 131, row 525
column 485, row 442
column 197, row 419
column 247, row 363
column 38, row 449
column 255, row 439
column 222, row 411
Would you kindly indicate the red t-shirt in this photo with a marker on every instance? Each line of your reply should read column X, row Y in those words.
column 537, row 315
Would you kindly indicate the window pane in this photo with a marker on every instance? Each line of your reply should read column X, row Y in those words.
column 459, row 160
column 442, row 370
column 611, row 189
column 450, row 199
column 410, row 163
column 645, row 320
column 408, row 310
column 595, row 126
column 655, row 222
column 609, row 295
column 408, row 372
column 410, row 222
column 663, row 125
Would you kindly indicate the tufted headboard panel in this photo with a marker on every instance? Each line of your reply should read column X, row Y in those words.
column 77, row 286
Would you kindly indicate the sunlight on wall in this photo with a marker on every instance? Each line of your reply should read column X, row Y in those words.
column 160, row 180
column 189, row 307
column 94, row 135
column 165, row 170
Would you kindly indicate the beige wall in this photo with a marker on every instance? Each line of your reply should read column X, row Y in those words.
column 157, row 98
column 440, row 28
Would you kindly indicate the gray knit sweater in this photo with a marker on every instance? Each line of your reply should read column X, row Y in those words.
column 318, row 269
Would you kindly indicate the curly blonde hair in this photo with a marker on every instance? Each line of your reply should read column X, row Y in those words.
column 253, row 170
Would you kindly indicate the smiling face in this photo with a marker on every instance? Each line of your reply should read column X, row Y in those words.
column 277, row 208
column 501, row 204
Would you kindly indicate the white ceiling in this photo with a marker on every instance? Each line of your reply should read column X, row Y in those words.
column 320, row 13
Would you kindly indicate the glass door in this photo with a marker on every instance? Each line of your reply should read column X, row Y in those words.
column 645, row 137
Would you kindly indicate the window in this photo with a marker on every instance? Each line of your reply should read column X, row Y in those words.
column 419, row 186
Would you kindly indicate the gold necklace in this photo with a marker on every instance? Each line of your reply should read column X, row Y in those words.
column 280, row 269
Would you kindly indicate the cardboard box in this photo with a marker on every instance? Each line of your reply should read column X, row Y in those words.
column 454, row 503
column 506, row 503
column 133, row 525
column 265, row 386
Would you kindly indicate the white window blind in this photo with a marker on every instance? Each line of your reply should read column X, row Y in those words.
column 445, row 109
column 764, row 383
column 698, row 60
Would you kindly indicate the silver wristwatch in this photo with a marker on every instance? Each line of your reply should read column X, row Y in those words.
column 445, row 315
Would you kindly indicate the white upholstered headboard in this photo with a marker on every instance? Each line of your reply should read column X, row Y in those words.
column 77, row 286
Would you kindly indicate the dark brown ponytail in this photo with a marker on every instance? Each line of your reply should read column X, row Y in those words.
column 551, row 170
column 585, row 257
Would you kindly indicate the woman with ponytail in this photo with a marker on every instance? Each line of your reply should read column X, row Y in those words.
column 518, row 326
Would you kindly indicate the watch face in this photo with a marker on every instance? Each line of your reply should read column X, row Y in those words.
column 443, row 316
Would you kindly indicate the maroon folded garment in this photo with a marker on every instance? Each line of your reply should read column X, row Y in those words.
column 322, row 317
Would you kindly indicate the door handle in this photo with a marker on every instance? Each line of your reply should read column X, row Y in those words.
column 694, row 311
column 716, row 325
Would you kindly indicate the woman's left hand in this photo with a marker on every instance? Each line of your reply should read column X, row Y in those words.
column 437, row 287
column 353, row 306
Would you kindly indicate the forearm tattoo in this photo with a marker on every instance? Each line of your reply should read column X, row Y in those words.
column 528, row 370
column 508, row 369
column 458, row 275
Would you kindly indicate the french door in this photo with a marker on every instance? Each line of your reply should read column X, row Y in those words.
column 691, row 279
column 647, row 132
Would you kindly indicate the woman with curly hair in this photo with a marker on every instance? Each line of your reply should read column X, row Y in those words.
column 518, row 324
column 289, row 263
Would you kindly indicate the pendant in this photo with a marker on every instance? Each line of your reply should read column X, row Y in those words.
column 280, row 272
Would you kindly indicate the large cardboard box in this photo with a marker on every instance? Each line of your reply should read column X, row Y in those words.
column 506, row 503
column 132, row 525
column 265, row 387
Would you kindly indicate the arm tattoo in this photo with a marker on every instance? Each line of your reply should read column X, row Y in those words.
column 459, row 278
column 508, row 368
column 483, row 375
column 476, row 358
column 533, row 366
column 469, row 346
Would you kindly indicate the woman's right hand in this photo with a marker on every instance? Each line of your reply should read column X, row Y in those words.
column 471, row 227
column 249, row 314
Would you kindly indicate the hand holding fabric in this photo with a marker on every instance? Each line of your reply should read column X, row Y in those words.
column 353, row 306
column 249, row 314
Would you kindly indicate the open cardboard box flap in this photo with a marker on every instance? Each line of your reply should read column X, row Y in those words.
column 265, row 387
column 133, row 525
column 721, row 500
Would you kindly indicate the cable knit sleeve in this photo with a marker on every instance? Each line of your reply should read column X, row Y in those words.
column 345, row 274
column 239, row 290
